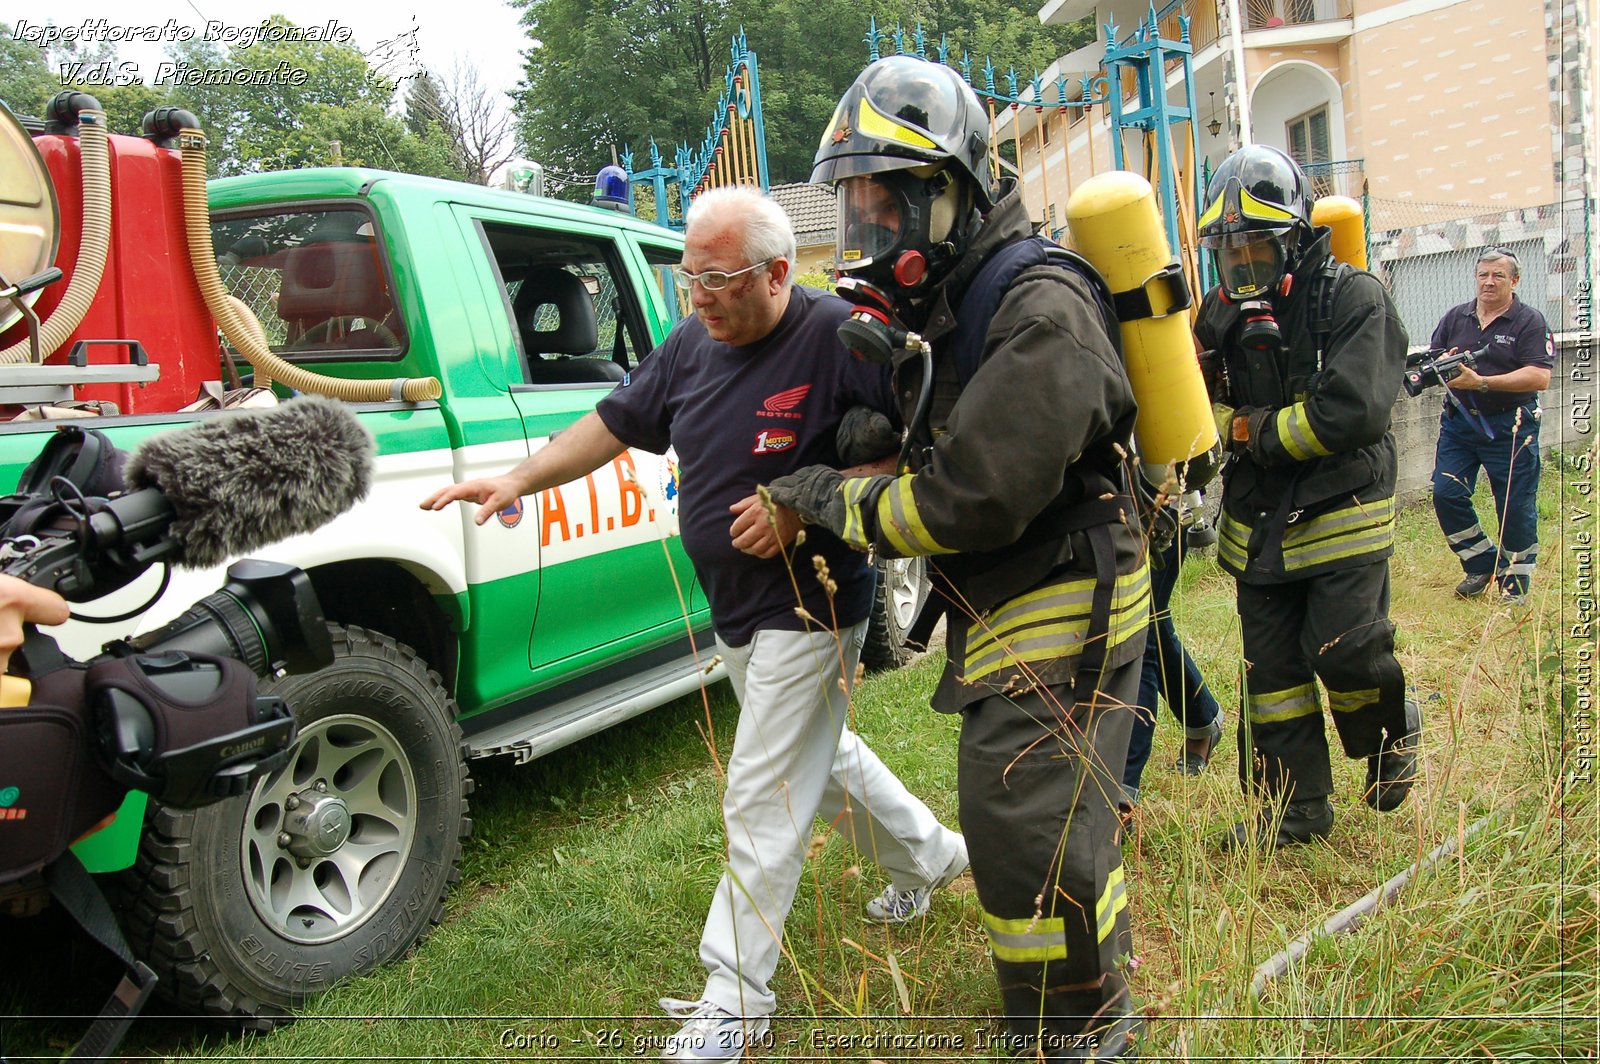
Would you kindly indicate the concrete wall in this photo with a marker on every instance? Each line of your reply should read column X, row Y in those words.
column 1567, row 424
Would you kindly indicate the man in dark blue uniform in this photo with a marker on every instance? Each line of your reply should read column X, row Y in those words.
column 1499, row 433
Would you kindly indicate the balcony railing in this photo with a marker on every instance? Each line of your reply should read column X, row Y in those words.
column 1270, row 14
column 1341, row 177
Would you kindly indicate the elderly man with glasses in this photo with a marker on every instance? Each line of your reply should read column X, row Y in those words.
column 756, row 385
column 1493, row 424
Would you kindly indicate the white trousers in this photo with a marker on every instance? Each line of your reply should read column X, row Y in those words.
column 792, row 759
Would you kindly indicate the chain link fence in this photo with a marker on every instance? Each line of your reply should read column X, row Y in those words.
column 1427, row 254
column 257, row 287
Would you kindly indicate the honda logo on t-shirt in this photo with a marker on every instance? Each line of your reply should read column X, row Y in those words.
column 769, row 441
column 783, row 403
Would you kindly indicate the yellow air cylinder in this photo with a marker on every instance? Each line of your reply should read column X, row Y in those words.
column 1116, row 226
column 1343, row 215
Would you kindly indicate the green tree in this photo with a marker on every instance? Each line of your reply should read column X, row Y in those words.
column 25, row 78
column 220, row 108
column 332, row 109
column 425, row 110
column 654, row 68
column 30, row 76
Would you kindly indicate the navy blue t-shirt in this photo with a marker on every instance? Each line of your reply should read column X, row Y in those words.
column 742, row 416
column 1517, row 338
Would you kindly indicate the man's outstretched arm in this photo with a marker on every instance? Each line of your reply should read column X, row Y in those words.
column 584, row 447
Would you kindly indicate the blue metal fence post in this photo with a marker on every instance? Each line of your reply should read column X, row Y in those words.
column 1146, row 53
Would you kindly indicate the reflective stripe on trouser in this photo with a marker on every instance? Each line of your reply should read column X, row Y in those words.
column 792, row 758
column 1334, row 628
column 1511, row 464
column 1029, row 776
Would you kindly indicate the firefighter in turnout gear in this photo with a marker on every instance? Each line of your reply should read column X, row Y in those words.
column 1011, row 481
column 1304, row 357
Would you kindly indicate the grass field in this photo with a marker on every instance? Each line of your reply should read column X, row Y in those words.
column 589, row 873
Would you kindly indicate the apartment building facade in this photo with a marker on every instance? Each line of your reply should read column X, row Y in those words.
column 1459, row 123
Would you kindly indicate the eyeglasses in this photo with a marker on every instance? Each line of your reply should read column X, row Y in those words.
column 711, row 280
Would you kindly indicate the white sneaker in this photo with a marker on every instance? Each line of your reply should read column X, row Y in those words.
column 711, row 1032
column 902, row 906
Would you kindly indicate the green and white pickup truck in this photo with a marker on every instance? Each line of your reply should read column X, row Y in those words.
column 567, row 614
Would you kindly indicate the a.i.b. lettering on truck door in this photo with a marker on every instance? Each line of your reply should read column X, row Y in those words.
column 608, row 500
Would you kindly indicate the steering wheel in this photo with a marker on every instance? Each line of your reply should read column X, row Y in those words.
column 323, row 330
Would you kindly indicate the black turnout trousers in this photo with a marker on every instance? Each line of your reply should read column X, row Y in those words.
column 1039, row 776
column 1334, row 628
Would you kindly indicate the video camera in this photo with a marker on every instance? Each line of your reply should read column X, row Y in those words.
column 1436, row 366
column 174, row 712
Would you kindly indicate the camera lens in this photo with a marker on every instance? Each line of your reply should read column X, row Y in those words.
column 266, row 616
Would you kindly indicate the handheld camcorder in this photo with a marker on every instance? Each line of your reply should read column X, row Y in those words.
column 1437, row 366
column 174, row 712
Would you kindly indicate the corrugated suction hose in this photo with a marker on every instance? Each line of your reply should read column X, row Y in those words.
column 239, row 324
column 95, row 159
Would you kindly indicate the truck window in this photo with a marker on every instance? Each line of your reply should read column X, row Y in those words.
column 661, row 261
column 572, row 320
column 316, row 279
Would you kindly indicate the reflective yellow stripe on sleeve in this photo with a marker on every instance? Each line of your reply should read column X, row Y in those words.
column 1026, row 941
column 855, row 528
column 1295, row 433
column 900, row 523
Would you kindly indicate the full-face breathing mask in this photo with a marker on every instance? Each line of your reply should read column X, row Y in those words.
column 1252, row 269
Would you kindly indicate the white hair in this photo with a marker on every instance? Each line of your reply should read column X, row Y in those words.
column 767, row 232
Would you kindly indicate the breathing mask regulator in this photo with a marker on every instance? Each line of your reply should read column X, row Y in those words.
column 872, row 332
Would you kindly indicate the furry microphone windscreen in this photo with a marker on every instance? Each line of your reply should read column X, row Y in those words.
column 238, row 482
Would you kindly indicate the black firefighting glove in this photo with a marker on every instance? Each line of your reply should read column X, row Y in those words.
column 1163, row 529
column 1159, row 521
column 865, row 436
column 1250, row 423
column 814, row 493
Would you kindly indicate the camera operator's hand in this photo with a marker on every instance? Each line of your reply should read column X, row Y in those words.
column 1466, row 379
column 20, row 601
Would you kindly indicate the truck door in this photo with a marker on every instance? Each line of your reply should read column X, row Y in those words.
column 612, row 576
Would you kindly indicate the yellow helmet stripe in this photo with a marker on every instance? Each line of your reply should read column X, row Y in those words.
column 1254, row 209
column 872, row 124
column 1262, row 210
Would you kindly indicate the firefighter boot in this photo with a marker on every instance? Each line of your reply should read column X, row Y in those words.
column 1302, row 822
column 1393, row 769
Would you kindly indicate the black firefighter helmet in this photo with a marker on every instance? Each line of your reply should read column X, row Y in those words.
column 1257, row 219
column 907, row 154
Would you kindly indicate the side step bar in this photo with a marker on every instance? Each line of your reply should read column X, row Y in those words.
column 582, row 715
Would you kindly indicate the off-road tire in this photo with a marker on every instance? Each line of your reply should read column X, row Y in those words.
column 378, row 729
column 901, row 590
